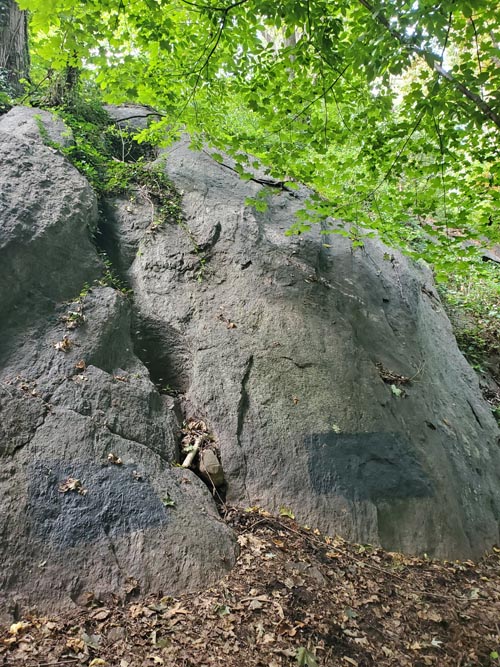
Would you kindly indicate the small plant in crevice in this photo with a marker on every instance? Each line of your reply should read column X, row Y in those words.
column 111, row 158
column 74, row 318
column 110, row 278
column 153, row 184
column 86, row 288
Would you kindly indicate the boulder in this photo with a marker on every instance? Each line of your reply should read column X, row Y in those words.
column 90, row 503
column 49, row 212
column 36, row 126
column 329, row 374
column 131, row 116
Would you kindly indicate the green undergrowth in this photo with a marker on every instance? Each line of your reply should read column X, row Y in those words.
column 110, row 277
column 473, row 304
column 115, row 164
column 111, row 158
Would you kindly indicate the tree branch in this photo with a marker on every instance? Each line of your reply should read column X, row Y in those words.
column 481, row 104
column 225, row 10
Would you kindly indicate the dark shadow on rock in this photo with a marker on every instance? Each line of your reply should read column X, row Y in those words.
column 107, row 239
column 163, row 351
column 366, row 466
column 116, row 502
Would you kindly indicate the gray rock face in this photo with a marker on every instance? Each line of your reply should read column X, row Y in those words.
column 90, row 416
column 330, row 375
column 36, row 126
column 131, row 116
column 89, row 500
column 47, row 209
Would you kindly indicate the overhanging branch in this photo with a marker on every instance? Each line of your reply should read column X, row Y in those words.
column 481, row 104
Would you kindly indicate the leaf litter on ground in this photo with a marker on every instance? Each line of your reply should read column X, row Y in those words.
column 318, row 601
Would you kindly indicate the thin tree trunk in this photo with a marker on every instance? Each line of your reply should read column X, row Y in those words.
column 14, row 54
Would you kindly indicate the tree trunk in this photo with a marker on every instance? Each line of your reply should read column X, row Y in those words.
column 14, row 54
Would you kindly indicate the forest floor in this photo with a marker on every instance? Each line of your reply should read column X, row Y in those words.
column 294, row 598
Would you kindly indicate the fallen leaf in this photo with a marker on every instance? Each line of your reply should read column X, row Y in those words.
column 429, row 615
column 362, row 641
column 131, row 585
column 9, row 641
column 75, row 644
column 101, row 614
column 92, row 641
column 286, row 511
column 136, row 610
column 255, row 604
column 176, row 609
column 17, row 628
column 72, row 484
column 305, row 657
column 350, row 661
column 222, row 610
column 64, row 345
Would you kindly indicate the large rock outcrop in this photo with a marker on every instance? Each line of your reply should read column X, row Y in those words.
column 89, row 500
column 48, row 212
column 329, row 376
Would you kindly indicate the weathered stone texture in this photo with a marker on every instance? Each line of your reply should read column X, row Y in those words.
column 289, row 340
column 329, row 376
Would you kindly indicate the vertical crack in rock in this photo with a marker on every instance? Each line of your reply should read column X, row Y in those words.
column 112, row 551
column 243, row 405
column 475, row 414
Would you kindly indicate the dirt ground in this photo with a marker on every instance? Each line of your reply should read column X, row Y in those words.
column 295, row 597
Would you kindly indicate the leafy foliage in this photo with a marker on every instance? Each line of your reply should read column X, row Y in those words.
column 474, row 306
column 110, row 157
column 389, row 110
